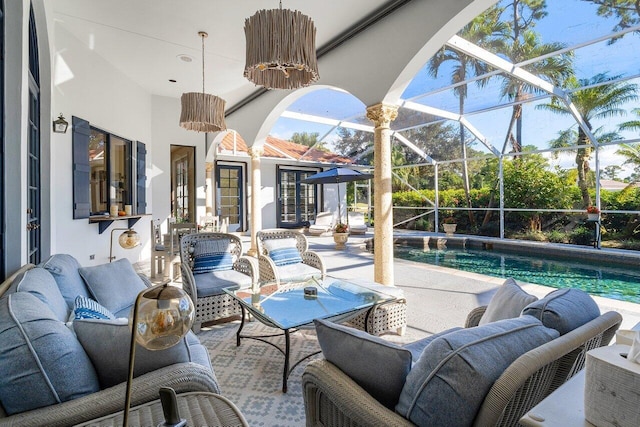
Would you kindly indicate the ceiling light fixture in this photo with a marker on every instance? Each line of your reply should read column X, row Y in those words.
column 281, row 49
column 202, row 112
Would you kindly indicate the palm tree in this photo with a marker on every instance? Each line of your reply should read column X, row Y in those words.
column 598, row 100
column 632, row 154
column 486, row 31
column 523, row 44
column 632, row 124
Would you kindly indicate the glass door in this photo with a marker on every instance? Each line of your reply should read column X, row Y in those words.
column 296, row 200
column 229, row 195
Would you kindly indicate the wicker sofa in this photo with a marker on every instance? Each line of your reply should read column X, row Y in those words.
column 333, row 398
column 50, row 376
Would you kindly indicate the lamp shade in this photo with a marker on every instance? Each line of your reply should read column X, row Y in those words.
column 165, row 315
column 202, row 112
column 281, row 49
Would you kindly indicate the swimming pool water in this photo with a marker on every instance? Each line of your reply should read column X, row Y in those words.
column 617, row 282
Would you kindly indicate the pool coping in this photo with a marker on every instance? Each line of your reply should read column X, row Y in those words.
column 525, row 247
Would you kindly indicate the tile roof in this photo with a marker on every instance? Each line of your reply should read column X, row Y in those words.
column 279, row 148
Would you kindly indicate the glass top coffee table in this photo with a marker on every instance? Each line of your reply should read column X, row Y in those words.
column 292, row 305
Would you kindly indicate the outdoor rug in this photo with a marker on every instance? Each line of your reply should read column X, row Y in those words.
column 251, row 375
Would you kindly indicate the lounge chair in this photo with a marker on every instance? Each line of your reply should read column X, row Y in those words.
column 323, row 224
column 356, row 223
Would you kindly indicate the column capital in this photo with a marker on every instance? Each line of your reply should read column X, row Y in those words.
column 255, row 152
column 382, row 114
column 208, row 166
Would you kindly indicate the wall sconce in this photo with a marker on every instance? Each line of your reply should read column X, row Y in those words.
column 127, row 240
column 60, row 125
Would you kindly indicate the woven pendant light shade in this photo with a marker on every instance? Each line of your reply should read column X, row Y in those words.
column 281, row 49
column 202, row 112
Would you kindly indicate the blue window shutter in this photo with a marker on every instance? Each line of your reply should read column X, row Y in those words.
column 81, row 168
column 141, row 178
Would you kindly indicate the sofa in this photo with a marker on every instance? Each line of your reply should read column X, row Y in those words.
column 64, row 340
column 509, row 356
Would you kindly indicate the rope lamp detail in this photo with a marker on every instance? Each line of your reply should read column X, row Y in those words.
column 202, row 112
column 281, row 49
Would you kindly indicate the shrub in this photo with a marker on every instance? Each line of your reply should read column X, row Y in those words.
column 582, row 236
column 557, row 236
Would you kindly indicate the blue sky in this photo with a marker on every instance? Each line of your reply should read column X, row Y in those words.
column 568, row 21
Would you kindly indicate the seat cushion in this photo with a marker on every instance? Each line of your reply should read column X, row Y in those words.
column 107, row 342
column 114, row 285
column 41, row 283
column 64, row 269
column 507, row 302
column 42, row 361
column 378, row 366
column 564, row 309
column 208, row 284
column 296, row 271
column 450, row 380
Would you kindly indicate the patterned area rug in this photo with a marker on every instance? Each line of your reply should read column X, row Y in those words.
column 251, row 375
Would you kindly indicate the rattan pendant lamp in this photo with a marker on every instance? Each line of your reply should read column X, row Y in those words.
column 281, row 49
column 202, row 112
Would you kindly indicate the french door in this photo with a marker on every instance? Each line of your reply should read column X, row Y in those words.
column 229, row 195
column 296, row 200
column 34, row 212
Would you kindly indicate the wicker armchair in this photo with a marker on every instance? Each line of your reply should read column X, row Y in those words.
column 333, row 399
column 214, row 303
column 311, row 263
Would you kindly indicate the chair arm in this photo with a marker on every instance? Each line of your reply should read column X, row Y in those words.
column 473, row 318
column 182, row 377
column 188, row 281
column 331, row 398
column 314, row 260
column 267, row 268
column 538, row 372
column 145, row 280
column 248, row 266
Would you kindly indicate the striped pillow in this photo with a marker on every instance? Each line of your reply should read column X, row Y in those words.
column 86, row 308
column 285, row 256
column 207, row 263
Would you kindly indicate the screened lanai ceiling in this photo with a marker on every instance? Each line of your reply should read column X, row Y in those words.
column 596, row 44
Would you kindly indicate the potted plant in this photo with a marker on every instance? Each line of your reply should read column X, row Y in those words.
column 593, row 213
column 449, row 225
column 340, row 235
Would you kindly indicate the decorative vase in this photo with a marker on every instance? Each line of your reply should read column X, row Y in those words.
column 340, row 239
column 449, row 229
column 593, row 216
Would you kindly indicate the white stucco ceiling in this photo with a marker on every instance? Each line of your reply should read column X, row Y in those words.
column 143, row 38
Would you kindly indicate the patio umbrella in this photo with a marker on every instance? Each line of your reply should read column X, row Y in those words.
column 337, row 176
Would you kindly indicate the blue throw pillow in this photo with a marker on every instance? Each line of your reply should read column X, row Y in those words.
column 43, row 363
column 285, row 256
column 564, row 309
column 378, row 366
column 207, row 263
column 40, row 282
column 86, row 308
column 452, row 377
column 64, row 269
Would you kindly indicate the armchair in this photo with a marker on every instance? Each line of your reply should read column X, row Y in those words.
column 209, row 263
column 283, row 254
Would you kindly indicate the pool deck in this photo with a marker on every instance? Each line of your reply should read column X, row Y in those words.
column 439, row 298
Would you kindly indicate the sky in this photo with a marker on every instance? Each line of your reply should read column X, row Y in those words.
column 568, row 21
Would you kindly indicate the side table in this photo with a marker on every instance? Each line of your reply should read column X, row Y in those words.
column 563, row 407
column 198, row 408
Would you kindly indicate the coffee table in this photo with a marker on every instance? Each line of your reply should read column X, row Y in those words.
column 288, row 308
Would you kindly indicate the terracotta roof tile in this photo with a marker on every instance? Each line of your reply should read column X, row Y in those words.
column 279, row 148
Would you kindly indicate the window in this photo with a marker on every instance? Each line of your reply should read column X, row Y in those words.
column 183, row 186
column 104, row 171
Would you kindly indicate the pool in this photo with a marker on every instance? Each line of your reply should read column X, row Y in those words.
column 610, row 281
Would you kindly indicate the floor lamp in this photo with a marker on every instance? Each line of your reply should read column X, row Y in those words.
column 162, row 315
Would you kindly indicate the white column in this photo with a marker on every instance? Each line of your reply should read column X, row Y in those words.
column 382, row 115
column 255, row 222
column 208, row 182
